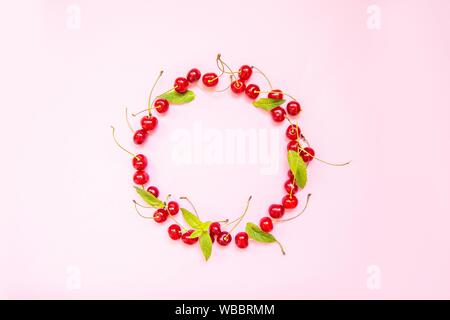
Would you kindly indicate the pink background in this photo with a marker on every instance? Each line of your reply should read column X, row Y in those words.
column 378, row 97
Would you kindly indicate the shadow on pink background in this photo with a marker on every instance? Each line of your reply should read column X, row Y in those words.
column 378, row 228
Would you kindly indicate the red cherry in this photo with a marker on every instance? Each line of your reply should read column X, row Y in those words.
column 289, row 202
column 241, row 240
column 174, row 231
column 186, row 239
column 238, row 86
column 215, row 228
column 308, row 155
column 276, row 94
column 210, row 79
column 140, row 177
column 290, row 174
column 293, row 132
column 293, row 146
column 139, row 162
column 193, row 75
column 290, row 187
column 224, row 238
column 153, row 190
column 276, row 211
column 149, row 123
column 213, row 237
column 245, row 72
column 252, row 91
column 293, row 108
column 266, row 224
column 161, row 105
column 278, row 114
column 160, row 215
column 173, row 208
column 140, row 136
column 181, row 85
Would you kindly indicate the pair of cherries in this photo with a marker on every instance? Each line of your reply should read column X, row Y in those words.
column 175, row 233
column 224, row 238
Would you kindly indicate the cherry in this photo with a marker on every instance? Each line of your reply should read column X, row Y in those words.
column 181, row 85
column 241, row 240
column 210, row 79
column 289, row 201
column 160, row 215
column 266, row 224
column 140, row 136
column 193, row 75
column 293, row 132
column 238, row 86
column 276, row 94
column 213, row 238
column 153, row 190
column 173, row 208
column 290, row 174
column 276, row 211
column 224, row 238
column 252, row 91
column 245, row 72
column 215, row 228
column 139, row 162
column 308, row 155
column 278, row 114
column 174, row 231
column 293, row 108
column 293, row 146
column 186, row 239
column 140, row 177
column 290, row 186
column 149, row 123
column 161, row 105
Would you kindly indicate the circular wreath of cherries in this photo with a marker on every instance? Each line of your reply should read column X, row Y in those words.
column 299, row 155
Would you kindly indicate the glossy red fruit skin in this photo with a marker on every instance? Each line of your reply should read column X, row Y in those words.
column 223, row 239
column 291, row 187
column 161, row 105
column 215, row 228
column 193, row 75
column 174, row 232
column 153, row 190
column 305, row 156
column 160, row 215
column 241, row 240
column 140, row 136
column 213, row 237
column 293, row 146
column 140, row 162
column 210, row 79
column 290, row 175
column 245, row 72
column 293, row 108
column 275, row 94
column 141, row 177
column 290, row 202
column 238, row 86
column 186, row 239
column 266, row 224
column 149, row 123
column 173, row 208
column 276, row 211
column 278, row 114
column 252, row 91
column 293, row 132
column 181, row 85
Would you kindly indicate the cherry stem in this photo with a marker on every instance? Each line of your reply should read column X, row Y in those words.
column 226, row 65
column 238, row 221
column 192, row 205
column 139, row 112
column 281, row 247
column 326, row 162
column 301, row 212
column 128, row 120
column 223, row 90
column 264, row 75
column 151, row 92
column 137, row 210
column 118, row 144
column 170, row 216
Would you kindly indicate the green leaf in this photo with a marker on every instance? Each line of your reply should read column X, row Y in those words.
column 205, row 226
column 268, row 103
column 298, row 168
column 254, row 232
column 191, row 219
column 206, row 245
column 178, row 98
column 196, row 234
column 149, row 198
